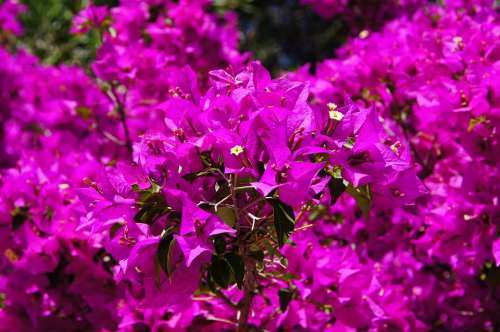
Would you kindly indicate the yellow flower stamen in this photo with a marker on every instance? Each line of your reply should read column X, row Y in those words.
column 395, row 148
column 458, row 40
column 11, row 255
column 237, row 150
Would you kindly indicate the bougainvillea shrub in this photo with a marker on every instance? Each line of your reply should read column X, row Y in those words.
column 436, row 77
column 175, row 185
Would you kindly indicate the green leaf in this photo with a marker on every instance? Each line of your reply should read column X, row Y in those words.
column 114, row 229
column 318, row 211
column 19, row 216
column 152, row 206
column 490, row 274
column 195, row 175
column 220, row 271
column 211, row 283
column 261, row 167
column 363, row 198
column 336, row 187
column 284, row 220
column 285, row 296
column 473, row 122
column 284, row 261
column 271, row 250
column 206, row 159
column 227, row 215
column 289, row 276
column 219, row 244
column 163, row 253
column 84, row 112
column 49, row 213
column 237, row 266
column 349, row 144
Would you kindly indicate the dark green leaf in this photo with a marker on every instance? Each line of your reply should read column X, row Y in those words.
column 114, row 229
column 84, row 112
column 211, row 283
column 49, row 213
column 261, row 167
column 19, row 216
column 220, row 271
column 336, row 187
column 285, row 295
column 490, row 274
column 363, row 198
column 195, row 175
column 206, row 159
column 163, row 252
column 219, row 244
column 238, row 267
column 284, row 220
column 227, row 215
column 152, row 206
column 318, row 211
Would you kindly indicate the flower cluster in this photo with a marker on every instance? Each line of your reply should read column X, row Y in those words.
column 436, row 78
column 60, row 127
column 53, row 277
column 9, row 12
column 216, row 191
column 174, row 185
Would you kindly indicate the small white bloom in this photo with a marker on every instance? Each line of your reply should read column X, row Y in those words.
column 363, row 34
column 334, row 115
column 237, row 150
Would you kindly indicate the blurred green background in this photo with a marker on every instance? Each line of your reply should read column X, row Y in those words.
column 46, row 31
column 281, row 33
column 284, row 34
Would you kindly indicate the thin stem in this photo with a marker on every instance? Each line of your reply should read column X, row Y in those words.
column 110, row 136
column 221, row 174
column 249, row 282
column 232, row 185
column 123, row 118
column 217, row 204
column 244, row 188
column 248, row 287
column 303, row 227
column 252, row 203
column 426, row 169
column 226, row 299
column 222, row 320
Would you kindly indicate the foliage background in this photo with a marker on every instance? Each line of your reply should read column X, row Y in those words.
column 281, row 33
